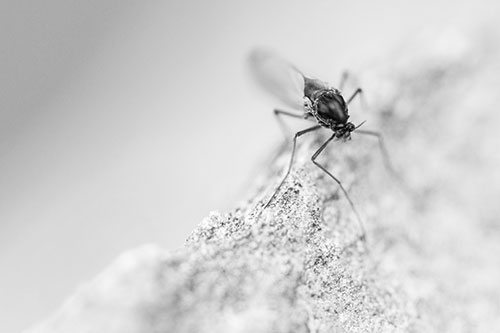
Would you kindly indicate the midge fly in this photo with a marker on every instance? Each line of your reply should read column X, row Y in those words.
column 317, row 101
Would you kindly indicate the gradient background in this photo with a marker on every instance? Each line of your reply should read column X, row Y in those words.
column 126, row 122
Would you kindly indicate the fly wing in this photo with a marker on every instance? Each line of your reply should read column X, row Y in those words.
column 279, row 77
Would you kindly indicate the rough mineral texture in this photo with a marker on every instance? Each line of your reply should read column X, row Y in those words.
column 429, row 262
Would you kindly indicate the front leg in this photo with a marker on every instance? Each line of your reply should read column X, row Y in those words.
column 298, row 134
column 279, row 113
column 313, row 158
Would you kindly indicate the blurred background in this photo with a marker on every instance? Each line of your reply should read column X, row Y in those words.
column 126, row 122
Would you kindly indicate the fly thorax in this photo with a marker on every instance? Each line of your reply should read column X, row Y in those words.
column 330, row 106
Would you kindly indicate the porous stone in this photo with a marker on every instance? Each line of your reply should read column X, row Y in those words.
column 428, row 263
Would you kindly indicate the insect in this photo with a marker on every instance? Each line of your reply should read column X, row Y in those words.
column 316, row 101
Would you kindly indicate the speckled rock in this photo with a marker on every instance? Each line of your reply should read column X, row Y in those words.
column 428, row 264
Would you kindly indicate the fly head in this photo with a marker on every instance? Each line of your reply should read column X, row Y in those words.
column 343, row 131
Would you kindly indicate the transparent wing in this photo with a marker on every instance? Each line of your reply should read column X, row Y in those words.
column 279, row 77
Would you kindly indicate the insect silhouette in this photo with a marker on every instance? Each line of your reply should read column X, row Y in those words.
column 317, row 101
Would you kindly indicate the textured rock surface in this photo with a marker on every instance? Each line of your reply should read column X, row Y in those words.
column 428, row 264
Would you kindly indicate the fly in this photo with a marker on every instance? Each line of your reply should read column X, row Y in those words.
column 316, row 101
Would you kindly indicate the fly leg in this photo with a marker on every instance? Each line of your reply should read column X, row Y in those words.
column 362, row 99
column 358, row 91
column 313, row 158
column 279, row 113
column 383, row 149
column 343, row 79
column 300, row 133
column 385, row 156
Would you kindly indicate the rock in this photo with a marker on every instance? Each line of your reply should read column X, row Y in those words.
column 428, row 263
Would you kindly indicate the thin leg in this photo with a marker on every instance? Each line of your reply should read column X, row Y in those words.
column 313, row 158
column 343, row 79
column 307, row 130
column 362, row 99
column 387, row 162
column 383, row 150
column 279, row 113
column 358, row 91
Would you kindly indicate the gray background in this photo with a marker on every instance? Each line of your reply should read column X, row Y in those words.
column 126, row 122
